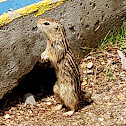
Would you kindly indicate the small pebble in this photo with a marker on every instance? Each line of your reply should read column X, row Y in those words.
column 89, row 57
column 7, row 116
column 103, row 63
column 121, row 118
column 84, row 71
column 89, row 71
column 29, row 99
column 48, row 103
column 90, row 113
column 100, row 119
column 121, row 96
column 89, row 65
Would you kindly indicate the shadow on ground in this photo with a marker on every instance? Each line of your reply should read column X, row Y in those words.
column 39, row 82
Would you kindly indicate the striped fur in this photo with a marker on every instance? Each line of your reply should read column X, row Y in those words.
column 67, row 88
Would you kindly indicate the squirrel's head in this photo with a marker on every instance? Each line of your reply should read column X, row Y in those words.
column 50, row 26
column 56, row 36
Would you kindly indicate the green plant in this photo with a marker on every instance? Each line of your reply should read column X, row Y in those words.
column 115, row 36
column 123, row 46
column 109, row 73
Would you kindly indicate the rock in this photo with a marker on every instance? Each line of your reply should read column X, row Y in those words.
column 121, row 96
column 48, row 103
column 100, row 119
column 89, row 71
column 18, row 56
column 29, row 99
column 84, row 71
column 89, row 65
column 7, row 116
column 21, row 45
column 89, row 57
column 103, row 63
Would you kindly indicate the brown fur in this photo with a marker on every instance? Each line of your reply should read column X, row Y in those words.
column 67, row 88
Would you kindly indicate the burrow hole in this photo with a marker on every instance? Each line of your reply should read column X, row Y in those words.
column 39, row 81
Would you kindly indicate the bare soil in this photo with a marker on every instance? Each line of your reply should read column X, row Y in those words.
column 102, row 77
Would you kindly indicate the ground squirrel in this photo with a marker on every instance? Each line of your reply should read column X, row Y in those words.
column 67, row 89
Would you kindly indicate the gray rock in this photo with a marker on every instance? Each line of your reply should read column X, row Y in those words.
column 86, row 23
column 29, row 99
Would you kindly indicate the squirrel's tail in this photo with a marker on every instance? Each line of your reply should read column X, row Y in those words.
column 85, row 99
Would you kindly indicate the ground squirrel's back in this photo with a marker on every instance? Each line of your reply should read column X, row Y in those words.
column 67, row 88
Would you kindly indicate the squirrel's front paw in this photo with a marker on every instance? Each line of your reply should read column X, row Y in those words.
column 44, row 57
column 44, row 60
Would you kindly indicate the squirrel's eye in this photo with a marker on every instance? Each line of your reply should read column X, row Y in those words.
column 46, row 23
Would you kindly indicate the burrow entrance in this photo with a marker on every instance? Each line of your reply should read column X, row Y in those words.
column 39, row 81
